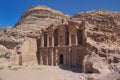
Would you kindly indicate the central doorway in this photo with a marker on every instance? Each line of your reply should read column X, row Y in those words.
column 61, row 59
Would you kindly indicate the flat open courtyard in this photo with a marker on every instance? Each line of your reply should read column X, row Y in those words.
column 40, row 73
column 35, row 72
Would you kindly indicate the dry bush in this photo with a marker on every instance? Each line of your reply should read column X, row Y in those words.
column 118, row 79
column 1, row 67
column 90, row 79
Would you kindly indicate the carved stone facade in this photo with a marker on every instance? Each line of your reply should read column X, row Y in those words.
column 25, row 53
column 63, row 44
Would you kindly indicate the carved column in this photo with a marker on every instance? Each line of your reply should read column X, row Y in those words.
column 83, row 68
column 56, row 55
column 52, row 41
column 47, row 57
column 76, row 37
column 55, row 58
column 69, row 40
column 47, row 40
column 69, row 57
column 42, row 41
column 41, row 59
column 52, row 57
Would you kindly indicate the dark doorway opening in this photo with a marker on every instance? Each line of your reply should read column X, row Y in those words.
column 90, row 72
column 20, row 58
column 80, row 36
column 61, row 59
column 67, row 36
column 45, row 39
column 56, row 37
column 38, row 50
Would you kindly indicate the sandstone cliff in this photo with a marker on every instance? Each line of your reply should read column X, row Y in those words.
column 37, row 17
column 101, row 22
column 30, row 24
column 103, row 38
column 102, row 28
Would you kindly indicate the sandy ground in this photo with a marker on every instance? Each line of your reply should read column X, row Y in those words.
column 40, row 73
column 48, row 73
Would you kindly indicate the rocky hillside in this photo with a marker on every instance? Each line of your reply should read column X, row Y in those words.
column 102, row 29
column 101, row 21
column 38, row 17
column 103, row 38
column 30, row 24
column 102, row 26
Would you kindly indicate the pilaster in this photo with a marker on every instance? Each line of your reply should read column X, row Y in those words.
column 42, row 41
column 47, row 40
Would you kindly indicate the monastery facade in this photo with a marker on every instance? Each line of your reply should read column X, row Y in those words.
column 63, row 44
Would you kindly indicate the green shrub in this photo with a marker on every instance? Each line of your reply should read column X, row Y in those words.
column 14, row 69
column 9, row 66
column 1, row 67
column 2, row 55
column 90, row 78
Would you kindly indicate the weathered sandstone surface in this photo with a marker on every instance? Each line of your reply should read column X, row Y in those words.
column 38, row 17
column 102, row 29
column 103, row 38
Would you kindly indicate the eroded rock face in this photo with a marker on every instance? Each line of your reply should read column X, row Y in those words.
column 102, row 29
column 38, row 17
column 30, row 25
column 10, row 37
column 103, row 25
column 103, row 37
column 3, row 50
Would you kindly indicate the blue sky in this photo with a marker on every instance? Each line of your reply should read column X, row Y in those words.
column 11, row 10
